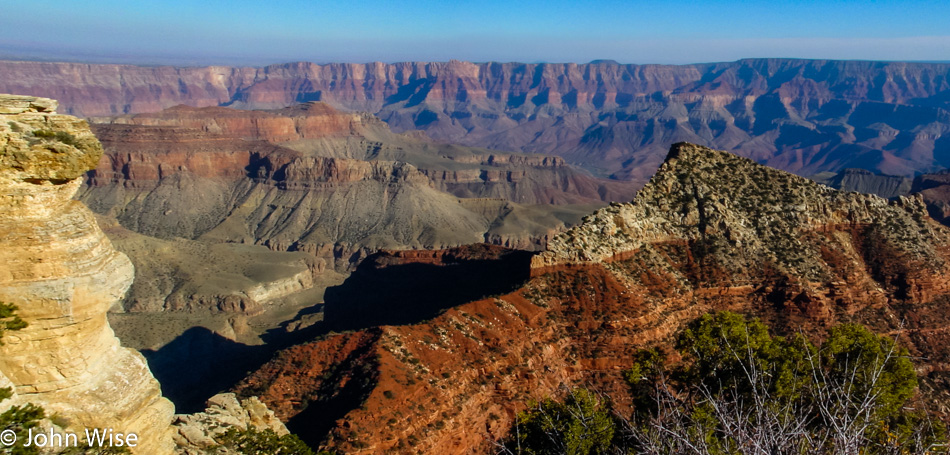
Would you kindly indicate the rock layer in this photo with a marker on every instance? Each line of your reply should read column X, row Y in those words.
column 338, row 186
column 149, row 146
column 864, row 181
column 63, row 274
column 803, row 116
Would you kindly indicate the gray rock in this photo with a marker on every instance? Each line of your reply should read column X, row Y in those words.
column 197, row 432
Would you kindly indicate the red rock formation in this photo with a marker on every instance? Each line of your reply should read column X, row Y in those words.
column 96, row 90
column 303, row 121
column 222, row 142
column 141, row 156
column 344, row 191
column 609, row 286
column 324, row 178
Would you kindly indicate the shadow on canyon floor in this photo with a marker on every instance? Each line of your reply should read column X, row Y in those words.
column 378, row 294
column 200, row 363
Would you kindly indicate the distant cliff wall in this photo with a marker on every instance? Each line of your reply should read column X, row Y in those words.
column 802, row 116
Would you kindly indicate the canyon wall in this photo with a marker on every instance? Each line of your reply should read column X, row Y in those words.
column 63, row 274
column 803, row 116
column 335, row 185
column 316, row 129
column 864, row 181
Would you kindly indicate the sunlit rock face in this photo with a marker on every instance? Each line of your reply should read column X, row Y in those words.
column 58, row 267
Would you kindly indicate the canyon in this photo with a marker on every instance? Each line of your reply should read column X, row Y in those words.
column 711, row 231
column 277, row 199
column 239, row 221
column 468, row 230
column 802, row 116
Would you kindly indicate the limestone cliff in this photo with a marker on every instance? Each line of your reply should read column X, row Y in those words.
column 63, row 274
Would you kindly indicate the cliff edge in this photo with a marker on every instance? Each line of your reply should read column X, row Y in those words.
column 58, row 267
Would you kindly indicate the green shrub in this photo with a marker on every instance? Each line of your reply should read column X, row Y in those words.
column 19, row 419
column 60, row 136
column 740, row 390
column 740, row 387
column 9, row 319
column 262, row 442
column 581, row 425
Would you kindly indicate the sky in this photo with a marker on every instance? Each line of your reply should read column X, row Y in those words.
column 238, row 32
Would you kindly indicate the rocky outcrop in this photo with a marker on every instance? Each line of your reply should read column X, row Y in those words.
column 711, row 231
column 196, row 432
column 720, row 197
column 44, row 146
column 63, row 274
column 933, row 188
column 803, row 116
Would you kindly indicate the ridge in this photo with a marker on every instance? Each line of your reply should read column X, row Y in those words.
column 720, row 201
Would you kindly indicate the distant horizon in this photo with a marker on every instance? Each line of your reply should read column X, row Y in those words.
column 669, row 32
column 123, row 61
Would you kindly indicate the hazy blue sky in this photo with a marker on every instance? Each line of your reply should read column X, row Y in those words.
column 668, row 31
